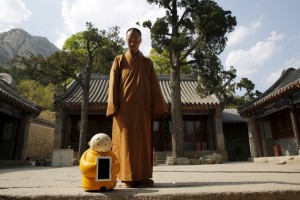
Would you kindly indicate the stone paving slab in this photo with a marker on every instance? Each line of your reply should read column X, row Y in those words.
column 243, row 180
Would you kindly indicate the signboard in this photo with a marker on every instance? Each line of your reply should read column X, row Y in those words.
column 103, row 169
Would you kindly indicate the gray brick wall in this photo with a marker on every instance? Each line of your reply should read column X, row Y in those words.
column 40, row 141
column 288, row 146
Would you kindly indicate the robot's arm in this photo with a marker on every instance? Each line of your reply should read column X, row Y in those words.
column 87, row 167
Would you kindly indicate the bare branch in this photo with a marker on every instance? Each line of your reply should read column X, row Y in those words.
column 193, row 47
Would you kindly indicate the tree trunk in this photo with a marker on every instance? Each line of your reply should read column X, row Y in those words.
column 83, row 145
column 176, row 112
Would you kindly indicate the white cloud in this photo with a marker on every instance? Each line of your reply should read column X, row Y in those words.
column 248, row 61
column 104, row 14
column 274, row 76
column 293, row 62
column 61, row 40
column 242, row 32
column 13, row 11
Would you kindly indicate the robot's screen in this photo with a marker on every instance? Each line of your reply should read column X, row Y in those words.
column 103, row 169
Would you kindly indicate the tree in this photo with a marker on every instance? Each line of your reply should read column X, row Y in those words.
column 111, row 45
column 200, row 29
column 17, row 72
column 249, row 86
column 37, row 93
column 81, row 55
column 213, row 79
column 161, row 63
column 40, row 95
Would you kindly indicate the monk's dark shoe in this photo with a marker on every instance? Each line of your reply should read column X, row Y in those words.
column 147, row 182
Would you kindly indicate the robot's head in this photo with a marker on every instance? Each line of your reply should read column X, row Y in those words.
column 100, row 143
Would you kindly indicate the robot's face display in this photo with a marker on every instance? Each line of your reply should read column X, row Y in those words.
column 100, row 143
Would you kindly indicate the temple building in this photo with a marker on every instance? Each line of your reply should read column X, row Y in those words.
column 273, row 118
column 202, row 117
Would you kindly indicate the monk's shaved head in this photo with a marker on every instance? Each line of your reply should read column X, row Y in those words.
column 134, row 30
column 133, row 40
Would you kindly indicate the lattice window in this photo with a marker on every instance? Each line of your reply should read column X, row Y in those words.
column 194, row 131
column 189, row 128
column 155, row 126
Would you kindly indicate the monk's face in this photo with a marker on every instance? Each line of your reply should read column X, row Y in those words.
column 133, row 40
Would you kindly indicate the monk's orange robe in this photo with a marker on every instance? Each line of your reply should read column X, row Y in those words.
column 134, row 98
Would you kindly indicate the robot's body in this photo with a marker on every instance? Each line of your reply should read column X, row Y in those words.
column 100, row 146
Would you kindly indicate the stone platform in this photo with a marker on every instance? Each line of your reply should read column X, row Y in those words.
column 233, row 180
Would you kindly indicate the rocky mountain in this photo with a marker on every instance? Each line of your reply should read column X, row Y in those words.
column 19, row 42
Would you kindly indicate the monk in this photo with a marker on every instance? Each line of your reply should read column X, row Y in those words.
column 134, row 99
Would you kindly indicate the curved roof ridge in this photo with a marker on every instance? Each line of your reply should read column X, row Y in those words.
column 275, row 87
column 282, row 77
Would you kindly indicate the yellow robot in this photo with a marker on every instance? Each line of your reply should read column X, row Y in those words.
column 98, row 165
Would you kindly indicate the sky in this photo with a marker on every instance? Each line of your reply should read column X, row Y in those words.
column 265, row 41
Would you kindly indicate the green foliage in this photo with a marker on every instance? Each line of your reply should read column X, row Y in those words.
column 55, row 69
column 3, row 69
column 48, row 115
column 249, row 86
column 212, row 22
column 202, row 23
column 232, row 100
column 17, row 72
column 199, row 34
column 37, row 93
column 101, row 46
column 213, row 79
column 250, row 93
column 162, row 63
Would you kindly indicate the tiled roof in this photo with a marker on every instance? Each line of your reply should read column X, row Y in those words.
column 97, row 95
column 99, row 87
column 289, row 81
column 189, row 95
column 9, row 94
column 231, row 116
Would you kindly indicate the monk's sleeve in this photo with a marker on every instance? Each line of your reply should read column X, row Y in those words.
column 159, row 107
column 113, row 95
